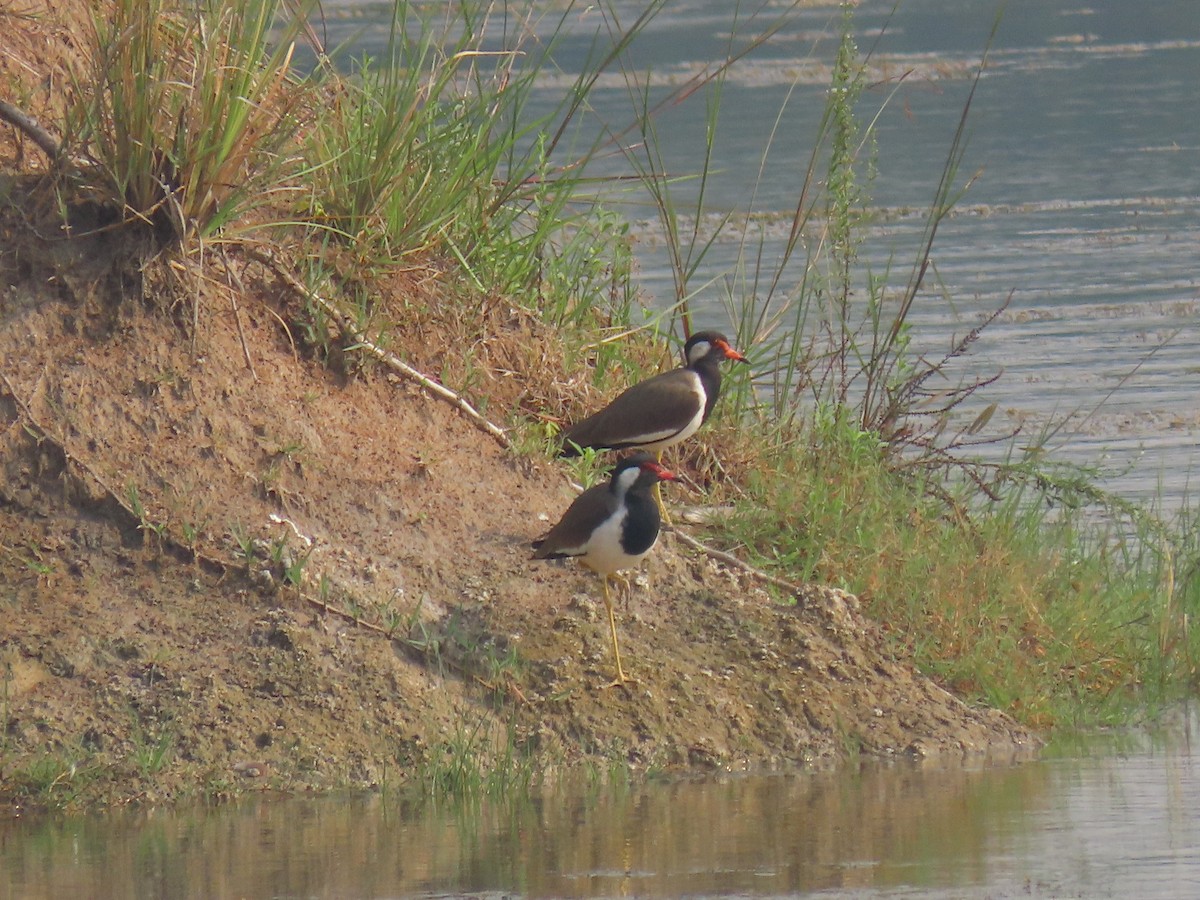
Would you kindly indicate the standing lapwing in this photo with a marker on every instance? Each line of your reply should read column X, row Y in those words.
column 610, row 527
column 662, row 410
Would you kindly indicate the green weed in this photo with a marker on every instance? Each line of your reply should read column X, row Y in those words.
column 427, row 158
column 145, row 523
column 52, row 779
column 245, row 545
column 151, row 752
column 473, row 763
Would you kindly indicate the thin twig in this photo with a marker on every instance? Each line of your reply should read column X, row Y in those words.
column 233, row 276
column 22, row 121
column 385, row 356
column 730, row 560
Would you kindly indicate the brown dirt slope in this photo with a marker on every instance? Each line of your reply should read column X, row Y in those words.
column 140, row 664
column 116, row 641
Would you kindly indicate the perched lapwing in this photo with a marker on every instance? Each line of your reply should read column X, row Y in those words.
column 609, row 527
column 660, row 411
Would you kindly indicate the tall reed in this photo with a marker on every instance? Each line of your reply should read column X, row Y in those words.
column 186, row 112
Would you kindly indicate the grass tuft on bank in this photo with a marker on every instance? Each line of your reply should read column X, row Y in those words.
column 184, row 116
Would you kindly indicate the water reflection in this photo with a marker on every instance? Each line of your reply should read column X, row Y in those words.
column 1101, row 819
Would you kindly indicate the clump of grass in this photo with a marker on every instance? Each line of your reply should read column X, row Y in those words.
column 402, row 157
column 473, row 763
column 1023, row 607
column 184, row 112
column 52, row 779
column 425, row 161
column 151, row 752
column 428, row 153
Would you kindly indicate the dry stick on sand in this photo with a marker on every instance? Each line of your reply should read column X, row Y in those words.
column 28, row 124
column 389, row 359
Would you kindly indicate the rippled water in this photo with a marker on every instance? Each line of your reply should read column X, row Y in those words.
column 1109, row 817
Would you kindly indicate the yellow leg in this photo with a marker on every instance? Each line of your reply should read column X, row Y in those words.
column 612, row 625
column 662, row 510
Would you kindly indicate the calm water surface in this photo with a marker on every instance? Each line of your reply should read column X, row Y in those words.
column 1106, row 818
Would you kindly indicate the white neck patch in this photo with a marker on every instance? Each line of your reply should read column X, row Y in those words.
column 626, row 479
column 698, row 352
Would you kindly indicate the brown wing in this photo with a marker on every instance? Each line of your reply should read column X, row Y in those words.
column 570, row 536
column 649, row 411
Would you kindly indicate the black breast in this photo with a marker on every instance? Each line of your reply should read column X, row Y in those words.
column 640, row 530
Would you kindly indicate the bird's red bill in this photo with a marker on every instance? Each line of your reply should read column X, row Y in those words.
column 730, row 353
column 662, row 473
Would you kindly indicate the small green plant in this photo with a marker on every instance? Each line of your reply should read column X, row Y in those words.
column 389, row 615
column 32, row 559
column 501, row 664
column 277, row 550
column 151, row 752
column 324, row 590
column 245, row 545
column 286, row 561
column 292, row 450
column 145, row 524
column 293, row 568
column 391, row 619
column 53, row 779
column 589, row 467
column 190, row 535
column 455, row 768
column 534, row 437
column 472, row 763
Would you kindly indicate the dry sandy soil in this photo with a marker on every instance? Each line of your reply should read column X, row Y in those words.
column 144, row 657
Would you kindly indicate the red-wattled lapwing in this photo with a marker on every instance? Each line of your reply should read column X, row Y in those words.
column 609, row 527
column 660, row 411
